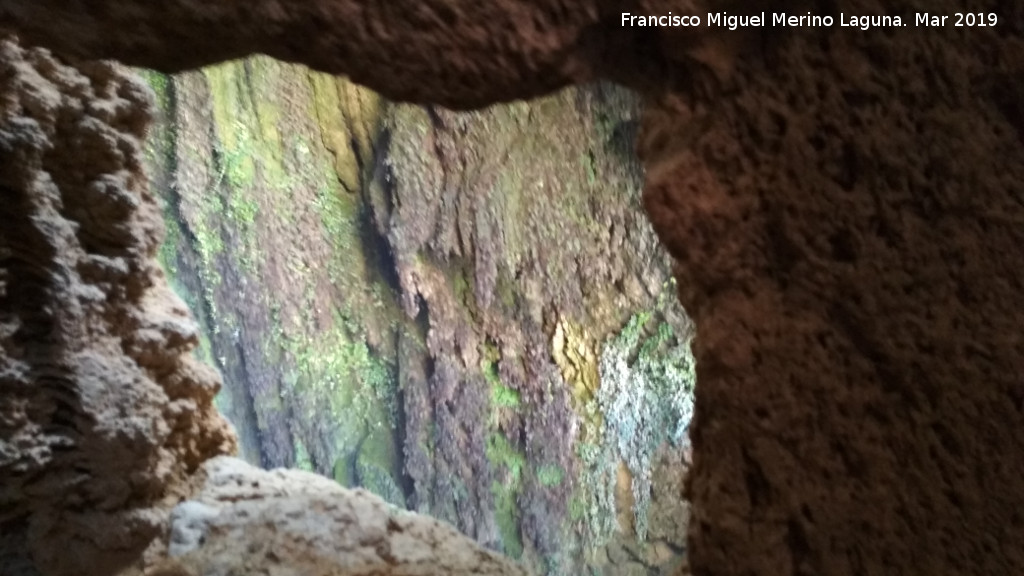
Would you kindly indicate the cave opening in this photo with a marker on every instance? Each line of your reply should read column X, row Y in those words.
column 374, row 279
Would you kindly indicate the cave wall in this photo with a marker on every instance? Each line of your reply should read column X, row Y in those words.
column 844, row 207
column 847, row 227
column 464, row 52
column 104, row 414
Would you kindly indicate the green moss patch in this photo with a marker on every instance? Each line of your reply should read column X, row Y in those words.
column 508, row 463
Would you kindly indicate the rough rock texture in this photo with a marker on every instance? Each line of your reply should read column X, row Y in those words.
column 513, row 235
column 103, row 414
column 848, row 228
column 846, row 210
column 464, row 52
column 287, row 522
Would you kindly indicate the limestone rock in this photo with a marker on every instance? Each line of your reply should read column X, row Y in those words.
column 287, row 522
column 103, row 412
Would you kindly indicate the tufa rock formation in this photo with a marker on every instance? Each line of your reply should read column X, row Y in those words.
column 847, row 220
column 380, row 285
column 845, row 209
column 104, row 414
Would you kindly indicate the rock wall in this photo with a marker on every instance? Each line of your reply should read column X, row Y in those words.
column 104, row 414
column 515, row 238
column 439, row 43
column 847, row 226
column 845, row 209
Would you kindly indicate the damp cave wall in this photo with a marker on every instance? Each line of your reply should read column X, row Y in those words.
column 429, row 304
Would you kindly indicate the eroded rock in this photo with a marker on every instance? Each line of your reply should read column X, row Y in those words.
column 249, row 521
column 464, row 53
column 103, row 414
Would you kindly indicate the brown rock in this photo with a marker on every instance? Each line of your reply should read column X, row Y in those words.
column 847, row 224
column 457, row 53
column 103, row 414
column 402, row 45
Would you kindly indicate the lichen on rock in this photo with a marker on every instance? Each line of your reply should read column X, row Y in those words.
column 510, row 229
column 646, row 400
column 273, row 253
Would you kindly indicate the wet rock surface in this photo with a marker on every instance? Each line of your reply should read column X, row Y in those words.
column 416, row 301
